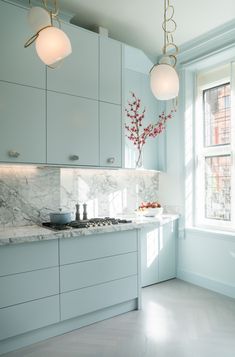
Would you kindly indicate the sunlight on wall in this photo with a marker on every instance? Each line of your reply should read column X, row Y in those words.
column 92, row 208
column 117, row 202
column 188, row 165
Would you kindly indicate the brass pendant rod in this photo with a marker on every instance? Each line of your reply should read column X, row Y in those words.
column 164, row 48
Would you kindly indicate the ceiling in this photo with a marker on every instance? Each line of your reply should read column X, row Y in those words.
column 138, row 22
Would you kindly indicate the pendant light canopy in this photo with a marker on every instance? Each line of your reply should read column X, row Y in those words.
column 164, row 80
column 51, row 43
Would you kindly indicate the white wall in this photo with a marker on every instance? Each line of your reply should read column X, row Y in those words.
column 204, row 258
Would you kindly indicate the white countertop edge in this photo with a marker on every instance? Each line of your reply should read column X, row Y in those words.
column 16, row 235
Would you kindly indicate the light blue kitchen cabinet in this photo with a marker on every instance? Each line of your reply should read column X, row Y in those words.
column 136, row 80
column 97, row 272
column 79, row 72
column 158, row 252
column 93, row 272
column 167, row 250
column 86, row 248
column 17, row 64
column 23, row 287
column 110, row 135
column 98, row 297
column 72, row 130
column 110, row 66
column 29, row 281
column 149, row 255
column 22, row 124
column 29, row 316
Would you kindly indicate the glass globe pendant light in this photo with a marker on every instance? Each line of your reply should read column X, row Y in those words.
column 51, row 43
column 164, row 80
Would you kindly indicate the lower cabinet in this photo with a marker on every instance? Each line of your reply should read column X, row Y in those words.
column 29, row 285
column 158, row 253
column 18, row 319
column 103, row 275
column 52, row 287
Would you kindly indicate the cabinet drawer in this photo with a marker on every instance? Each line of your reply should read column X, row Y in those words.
column 97, row 246
column 28, row 286
column 24, row 257
column 94, row 298
column 22, row 318
column 80, row 275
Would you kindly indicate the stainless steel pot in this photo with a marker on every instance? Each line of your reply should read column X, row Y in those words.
column 60, row 217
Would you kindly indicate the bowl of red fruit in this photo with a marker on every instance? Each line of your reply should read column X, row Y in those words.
column 150, row 209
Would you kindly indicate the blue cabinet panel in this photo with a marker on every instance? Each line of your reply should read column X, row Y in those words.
column 97, row 246
column 167, row 251
column 23, row 287
column 110, row 70
column 17, row 64
column 79, row 72
column 84, row 301
column 72, row 130
column 22, row 124
column 149, row 255
column 110, row 135
column 18, row 319
column 24, row 257
column 80, row 275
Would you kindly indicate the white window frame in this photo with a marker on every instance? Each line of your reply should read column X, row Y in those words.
column 202, row 152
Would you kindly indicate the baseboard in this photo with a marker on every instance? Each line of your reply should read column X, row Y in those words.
column 206, row 282
column 20, row 341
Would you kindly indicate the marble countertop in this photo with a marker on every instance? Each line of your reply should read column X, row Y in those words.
column 14, row 235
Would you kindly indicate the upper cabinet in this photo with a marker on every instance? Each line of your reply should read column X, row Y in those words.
column 110, row 135
column 110, row 70
column 18, row 64
column 22, row 124
column 72, row 130
column 136, row 80
column 79, row 72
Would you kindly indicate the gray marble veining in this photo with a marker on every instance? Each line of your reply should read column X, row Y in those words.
column 29, row 193
column 14, row 235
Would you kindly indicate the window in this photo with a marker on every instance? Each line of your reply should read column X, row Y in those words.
column 214, row 197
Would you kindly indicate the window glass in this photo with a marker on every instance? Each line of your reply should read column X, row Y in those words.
column 218, row 187
column 217, row 115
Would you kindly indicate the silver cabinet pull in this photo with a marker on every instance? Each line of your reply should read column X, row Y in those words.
column 111, row 160
column 12, row 153
column 74, row 157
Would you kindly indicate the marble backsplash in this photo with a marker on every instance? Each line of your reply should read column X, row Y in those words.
column 28, row 194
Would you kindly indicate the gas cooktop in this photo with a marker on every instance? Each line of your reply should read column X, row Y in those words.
column 88, row 223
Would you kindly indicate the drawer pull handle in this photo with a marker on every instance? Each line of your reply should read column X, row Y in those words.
column 74, row 157
column 12, row 153
column 111, row 160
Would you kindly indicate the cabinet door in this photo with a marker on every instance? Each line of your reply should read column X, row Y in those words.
column 138, row 83
column 72, row 130
column 110, row 70
column 17, row 64
column 110, row 135
column 149, row 255
column 78, row 74
column 167, row 251
column 22, row 123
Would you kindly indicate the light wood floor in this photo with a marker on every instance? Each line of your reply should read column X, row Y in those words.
column 177, row 320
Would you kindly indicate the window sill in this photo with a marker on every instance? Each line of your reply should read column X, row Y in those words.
column 199, row 232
